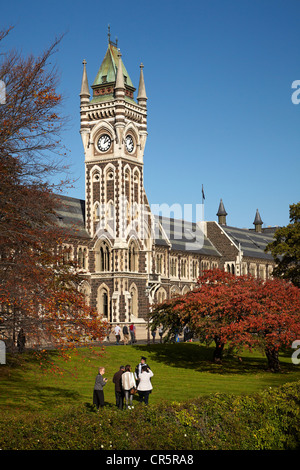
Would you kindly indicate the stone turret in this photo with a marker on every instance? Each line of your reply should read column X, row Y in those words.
column 258, row 222
column 221, row 214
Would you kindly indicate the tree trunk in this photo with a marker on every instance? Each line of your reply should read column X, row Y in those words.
column 217, row 357
column 273, row 360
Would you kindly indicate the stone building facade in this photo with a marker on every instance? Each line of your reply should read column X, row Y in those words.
column 127, row 257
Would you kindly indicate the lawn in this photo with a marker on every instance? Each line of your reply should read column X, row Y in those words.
column 181, row 371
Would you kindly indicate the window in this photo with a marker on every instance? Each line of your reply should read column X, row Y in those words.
column 96, row 212
column 132, row 258
column 67, row 253
column 103, row 258
column 82, row 257
column 183, row 272
column 103, row 301
column 173, row 267
column 159, row 263
column 134, row 301
column 195, row 269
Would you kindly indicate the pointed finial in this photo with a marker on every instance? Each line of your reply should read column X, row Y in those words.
column 120, row 76
column 108, row 34
column 84, row 92
column 142, row 97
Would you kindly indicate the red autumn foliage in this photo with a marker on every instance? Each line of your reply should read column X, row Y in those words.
column 39, row 291
column 237, row 310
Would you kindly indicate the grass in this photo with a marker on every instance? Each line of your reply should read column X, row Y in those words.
column 181, row 371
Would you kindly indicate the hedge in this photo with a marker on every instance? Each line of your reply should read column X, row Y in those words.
column 268, row 420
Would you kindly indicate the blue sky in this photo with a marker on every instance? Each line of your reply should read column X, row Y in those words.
column 218, row 78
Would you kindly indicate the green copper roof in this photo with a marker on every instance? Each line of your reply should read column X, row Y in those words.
column 108, row 69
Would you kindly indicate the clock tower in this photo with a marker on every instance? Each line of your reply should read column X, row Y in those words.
column 113, row 128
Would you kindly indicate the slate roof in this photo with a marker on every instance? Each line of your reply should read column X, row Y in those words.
column 179, row 234
column 71, row 215
column 183, row 236
column 251, row 243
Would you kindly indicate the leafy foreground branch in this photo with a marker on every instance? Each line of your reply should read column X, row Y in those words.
column 264, row 421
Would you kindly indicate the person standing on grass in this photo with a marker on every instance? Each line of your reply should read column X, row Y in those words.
column 128, row 382
column 100, row 382
column 117, row 380
column 145, row 386
column 138, row 368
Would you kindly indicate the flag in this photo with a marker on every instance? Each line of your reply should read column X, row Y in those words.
column 203, row 195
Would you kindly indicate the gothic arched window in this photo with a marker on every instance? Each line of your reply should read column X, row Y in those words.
column 103, row 257
column 132, row 257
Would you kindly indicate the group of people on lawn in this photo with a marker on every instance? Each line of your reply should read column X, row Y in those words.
column 127, row 384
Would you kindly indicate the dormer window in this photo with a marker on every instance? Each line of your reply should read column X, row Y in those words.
column 104, row 79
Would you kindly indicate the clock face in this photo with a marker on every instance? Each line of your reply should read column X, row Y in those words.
column 129, row 143
column 104, row 143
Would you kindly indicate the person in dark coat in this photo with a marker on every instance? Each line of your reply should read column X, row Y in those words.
column 21, row 341
column 117, row 380
column 100, row 382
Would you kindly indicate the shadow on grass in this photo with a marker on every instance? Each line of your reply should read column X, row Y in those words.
column 29, row 393
column 199, row 357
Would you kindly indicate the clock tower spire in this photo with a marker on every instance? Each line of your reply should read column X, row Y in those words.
column 114, row 132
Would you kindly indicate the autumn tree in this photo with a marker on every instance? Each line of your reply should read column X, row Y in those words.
column 273, row 322
column 239, row 311
column 286, row 248
column 38, row 290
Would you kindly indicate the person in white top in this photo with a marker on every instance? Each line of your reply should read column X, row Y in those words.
column 145, row 386
column 128, row 382
column 118, row 334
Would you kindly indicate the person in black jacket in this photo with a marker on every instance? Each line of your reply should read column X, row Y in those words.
column 100, row 382
column 117, row 380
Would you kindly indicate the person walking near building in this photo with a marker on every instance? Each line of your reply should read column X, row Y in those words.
column 132, row 330
column 100, row 382
column 117, row 380
column 153, row 333
column 118, row 334
column 128, row 382
column 21, row 341
column 161, row 332
column 125, row 334
column 145, row 386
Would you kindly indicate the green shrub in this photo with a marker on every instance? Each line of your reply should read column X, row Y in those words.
column 266, row 420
